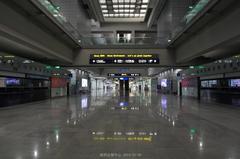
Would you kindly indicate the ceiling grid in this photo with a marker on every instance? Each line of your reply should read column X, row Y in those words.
column 124, row 9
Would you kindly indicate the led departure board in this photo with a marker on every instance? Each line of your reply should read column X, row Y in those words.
column 124, row 59
column 124, row 74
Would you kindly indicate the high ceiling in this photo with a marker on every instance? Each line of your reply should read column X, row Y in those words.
column 123, row 23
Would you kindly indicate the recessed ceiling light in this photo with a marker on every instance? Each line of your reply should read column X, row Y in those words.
column 111, row 15
column 115, row 10
column 136, row 15
column 121, row 10
column 127, row 1
column 126, row 10
column 103, row 6
column 126, row 15
column 143, row 11
column 105, row 15
column 145, row 1
column 115, row 6
column 142, row 15
column 120, row 1
column 116, row 15
column 133, row 1
column 126, row 6
column 121, row 15
column 131, row 10
column 114, row 1
column 104, row 11
column 131, row 15
column 102, row 1
column 120, row 6
column 144, row 6
column 132, row 6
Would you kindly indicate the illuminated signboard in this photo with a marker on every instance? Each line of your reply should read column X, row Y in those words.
column 124, row 74
column 124, row 59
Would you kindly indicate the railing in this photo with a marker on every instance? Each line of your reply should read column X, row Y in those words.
column 192, row 14
column 47, row 7
column 141, row 41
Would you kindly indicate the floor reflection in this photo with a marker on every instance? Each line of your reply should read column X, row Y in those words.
column 110, row 124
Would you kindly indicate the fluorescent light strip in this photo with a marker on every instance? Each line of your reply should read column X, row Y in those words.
column 102, row 1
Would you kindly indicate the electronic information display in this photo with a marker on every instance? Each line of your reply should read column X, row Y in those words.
column 124, row 74
column 124, row 59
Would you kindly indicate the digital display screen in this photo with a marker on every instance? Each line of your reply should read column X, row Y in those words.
column 163, row 82
column 12, row 82
column 124, row 59
column 209, row 84
column 124, row 74
column 235, row 82
column 84, row 82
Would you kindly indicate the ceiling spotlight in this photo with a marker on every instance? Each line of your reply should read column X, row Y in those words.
column 169, row 40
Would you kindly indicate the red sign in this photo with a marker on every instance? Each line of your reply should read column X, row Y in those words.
column 59, row 82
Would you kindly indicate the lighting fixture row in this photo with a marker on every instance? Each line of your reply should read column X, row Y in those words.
column 124, row 11
column 124, row 6
column 123, row 1
column 124, row 15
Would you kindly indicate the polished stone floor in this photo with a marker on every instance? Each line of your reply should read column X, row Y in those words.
column 125, row 126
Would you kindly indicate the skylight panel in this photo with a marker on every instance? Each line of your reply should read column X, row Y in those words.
column 115, row 9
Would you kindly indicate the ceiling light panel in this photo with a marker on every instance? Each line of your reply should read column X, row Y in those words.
column 113, row 9
column 103, row 6
column 102, row 1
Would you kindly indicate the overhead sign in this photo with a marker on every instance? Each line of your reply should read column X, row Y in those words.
column 124, row 59
column 124, row 74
